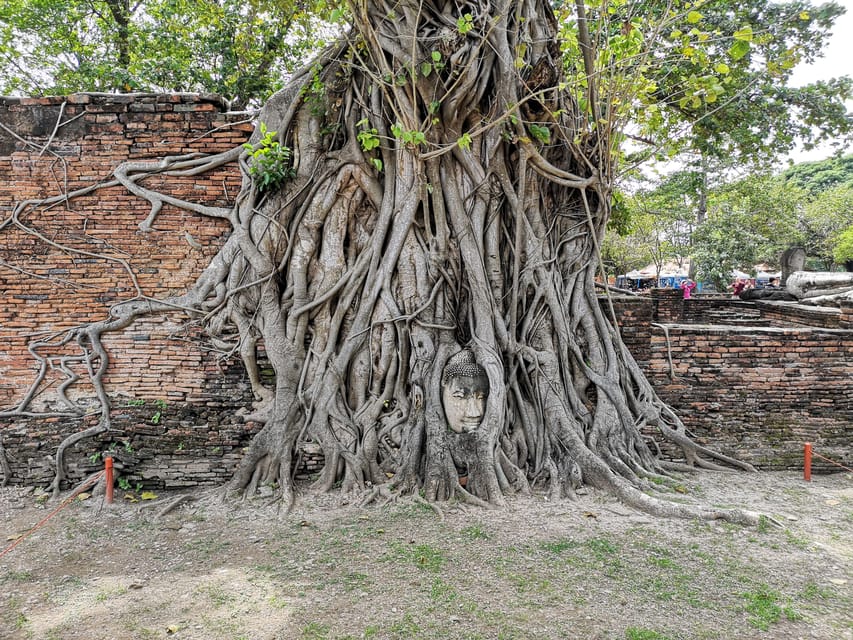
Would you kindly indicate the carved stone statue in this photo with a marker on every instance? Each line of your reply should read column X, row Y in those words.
column 821, row 288
column 793, row 259
column 464, row 390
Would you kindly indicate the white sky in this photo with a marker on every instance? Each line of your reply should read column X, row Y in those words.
column 836, row 61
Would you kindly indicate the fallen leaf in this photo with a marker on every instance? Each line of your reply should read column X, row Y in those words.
column 589, row 514
column 148, row 495
column 172, row 628
column 84, row 496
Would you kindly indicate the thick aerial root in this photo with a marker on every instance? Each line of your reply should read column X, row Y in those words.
column 659, row 507
column 70, row 441
column 4, row 466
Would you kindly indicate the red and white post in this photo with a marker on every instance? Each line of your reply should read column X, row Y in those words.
column 807, row 462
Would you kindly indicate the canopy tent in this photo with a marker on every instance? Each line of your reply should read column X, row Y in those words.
column 670, row 275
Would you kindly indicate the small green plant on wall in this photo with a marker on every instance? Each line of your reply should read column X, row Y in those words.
column 158, row 415
column 270, row 160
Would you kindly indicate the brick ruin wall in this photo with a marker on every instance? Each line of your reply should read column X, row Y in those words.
column 747, row 388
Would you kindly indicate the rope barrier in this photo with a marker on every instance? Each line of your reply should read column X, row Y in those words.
column 807, row 461
column 837, row 464
column 92, row 480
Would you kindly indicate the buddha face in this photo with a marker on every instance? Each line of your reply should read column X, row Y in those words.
column 464, row 401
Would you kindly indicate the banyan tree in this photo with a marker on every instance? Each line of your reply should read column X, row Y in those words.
column 418, row 227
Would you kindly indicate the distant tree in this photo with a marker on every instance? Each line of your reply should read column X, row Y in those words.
column 748, row 221
column 240, row 49
column 818, row 177
column 843, row 252
column 658, row 224
column 824, row 219
column 723, row 243
column 724, row 106
column 633, row 247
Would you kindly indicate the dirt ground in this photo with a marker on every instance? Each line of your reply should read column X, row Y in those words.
column 591, row 569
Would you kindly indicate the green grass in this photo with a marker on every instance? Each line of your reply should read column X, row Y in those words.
column 475, row 532
column 764, row 609
column 315, row 631
column 423, row 556
column 636, row 633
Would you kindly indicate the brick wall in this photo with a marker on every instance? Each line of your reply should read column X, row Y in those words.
column 759, row 393
column 63, row 144
column 755, row 380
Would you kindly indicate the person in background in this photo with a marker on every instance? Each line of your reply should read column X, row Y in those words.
column 737, row 287
column 773, row 283
column 687, row 285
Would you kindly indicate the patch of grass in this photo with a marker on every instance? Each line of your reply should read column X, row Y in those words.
column 17, row 576
column 406, row 627
column 139, row 632
column 314, row 631
column 442, row 592
column 602, row 548
column 475, row 532
column 424, row 556
column 636, row 633
column 796, row 541
column 813, row 591
column 13, row 615
column 764, row 525
column 558, row 547
column 106, row 594
column 355, row 580
column 218, row 596
column 208, row 547
column 277, row 603
column 21, row 620
column 764, row 608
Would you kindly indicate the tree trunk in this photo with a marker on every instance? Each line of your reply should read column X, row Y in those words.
column 473, row 224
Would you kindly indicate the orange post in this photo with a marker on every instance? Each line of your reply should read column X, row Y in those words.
column 108, row 473
column 807, row 462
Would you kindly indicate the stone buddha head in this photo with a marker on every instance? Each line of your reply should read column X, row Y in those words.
column 464, row 391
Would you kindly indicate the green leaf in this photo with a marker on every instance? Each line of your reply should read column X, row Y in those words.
column 722, row 68
column 426, row 69
column 465, row 23
column 738, row 49
column 436, row 56
column 744, row 34
column 693, row 17
column 376, row 162
column 543, row 134
column 464, row 141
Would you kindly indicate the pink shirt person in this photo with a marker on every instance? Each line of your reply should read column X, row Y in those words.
column 687, row 287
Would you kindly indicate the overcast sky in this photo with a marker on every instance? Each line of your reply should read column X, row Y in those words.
column 837, row 61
